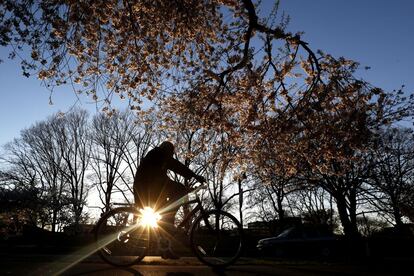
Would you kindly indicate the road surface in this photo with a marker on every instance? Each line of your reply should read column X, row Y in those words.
column 188, row 266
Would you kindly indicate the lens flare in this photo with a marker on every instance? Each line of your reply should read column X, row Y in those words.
column 149, row 217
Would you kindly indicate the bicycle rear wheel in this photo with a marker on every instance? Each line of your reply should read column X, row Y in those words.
column 120, row 239
column 216, row 238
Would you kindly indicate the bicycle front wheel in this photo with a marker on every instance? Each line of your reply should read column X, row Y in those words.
column 216, row 238
column 120, row 239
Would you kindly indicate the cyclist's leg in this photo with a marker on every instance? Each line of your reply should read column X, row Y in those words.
column 173, row 192
column 141, row 194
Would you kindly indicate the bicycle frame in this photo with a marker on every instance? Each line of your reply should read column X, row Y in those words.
column 194, row 211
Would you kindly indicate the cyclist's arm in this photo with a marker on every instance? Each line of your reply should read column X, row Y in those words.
column 178, row 167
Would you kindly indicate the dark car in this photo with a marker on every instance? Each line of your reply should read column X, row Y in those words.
column 300, row 241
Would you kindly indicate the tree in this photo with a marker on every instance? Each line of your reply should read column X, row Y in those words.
column 211, row 154
column 241, row 183
column 55, row 159
column 315, row 206
column 73, row 139
column 272, row 191
column 268, row 168
column 110, row 138
column 36, row 163
column 20, row 204
column 144, row 136
column 119, row 142
column 368, row 226
column 392, row 175
column 137, row 49
column 333, row 137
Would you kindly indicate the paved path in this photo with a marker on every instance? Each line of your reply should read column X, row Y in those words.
column 187, row 266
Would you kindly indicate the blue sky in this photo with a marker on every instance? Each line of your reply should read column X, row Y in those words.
column 377, row 33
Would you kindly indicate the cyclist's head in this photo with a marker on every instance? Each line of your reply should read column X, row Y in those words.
column 167, row 147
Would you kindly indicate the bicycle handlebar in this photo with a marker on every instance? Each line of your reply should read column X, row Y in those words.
column 201, row 187
column 122, row 204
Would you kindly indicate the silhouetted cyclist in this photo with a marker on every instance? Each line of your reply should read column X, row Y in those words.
column 153, row 187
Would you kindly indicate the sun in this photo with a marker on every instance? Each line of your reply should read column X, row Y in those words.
column 149, row 217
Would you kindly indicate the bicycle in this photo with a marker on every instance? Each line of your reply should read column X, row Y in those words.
column 123, row 235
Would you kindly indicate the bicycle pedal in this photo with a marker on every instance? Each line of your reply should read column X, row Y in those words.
column 202, row 250
column 164, row 244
